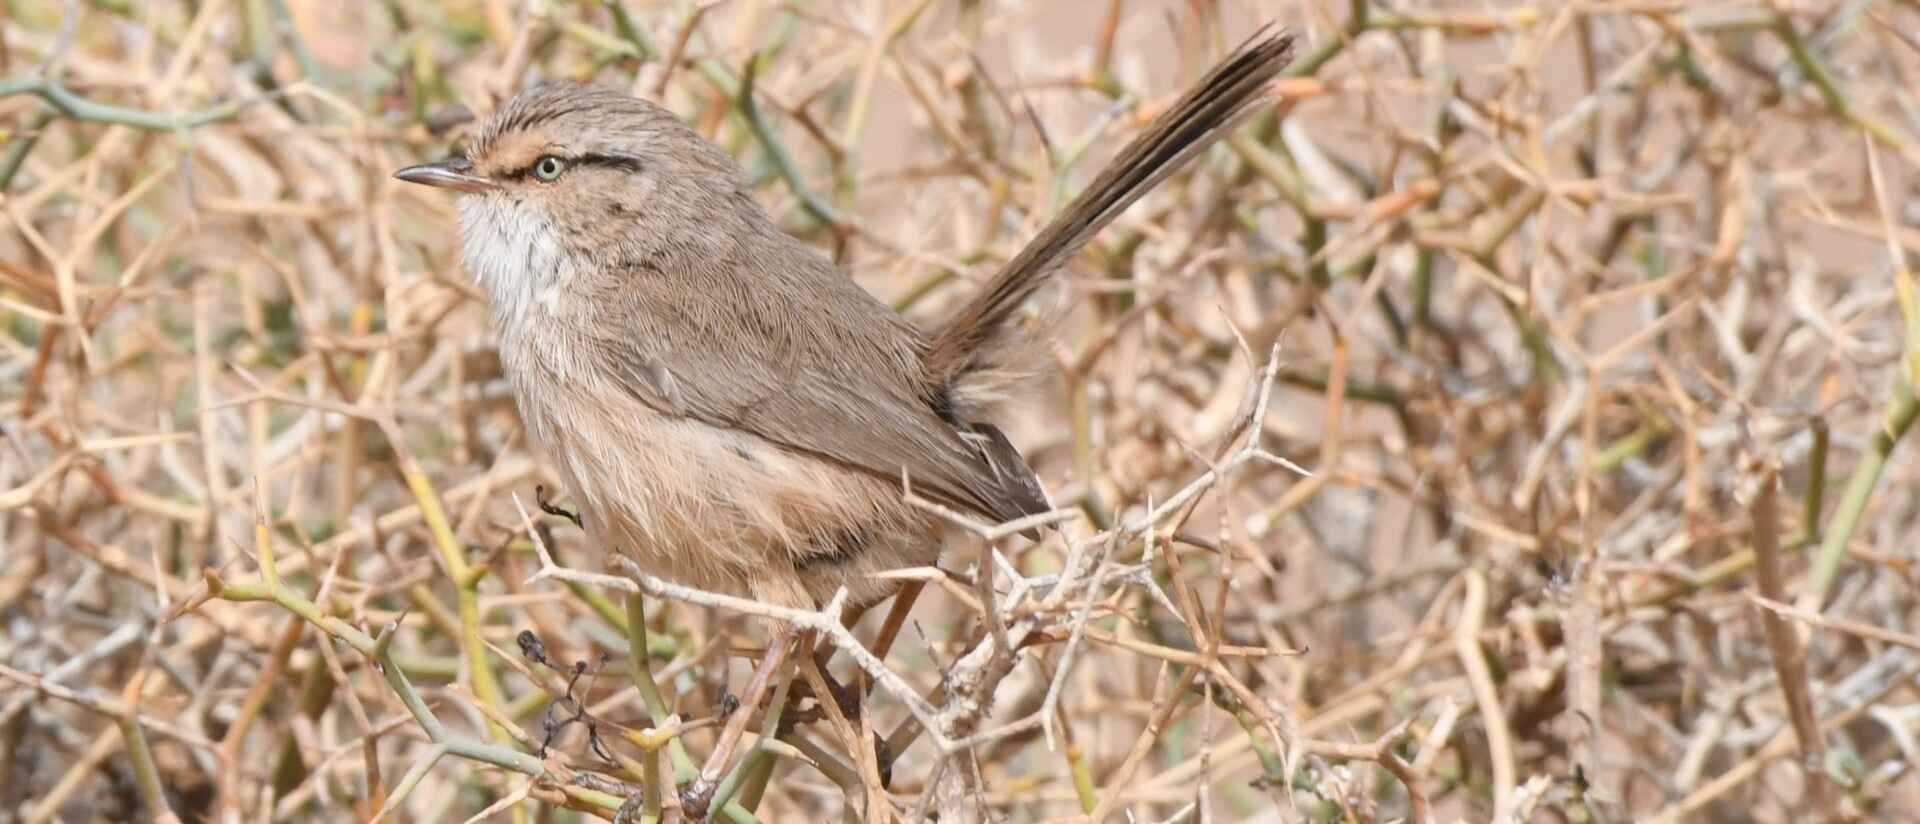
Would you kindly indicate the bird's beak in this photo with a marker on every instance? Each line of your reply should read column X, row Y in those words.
column 447, row 174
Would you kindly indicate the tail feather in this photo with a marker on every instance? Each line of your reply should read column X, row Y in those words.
column 1203, row 115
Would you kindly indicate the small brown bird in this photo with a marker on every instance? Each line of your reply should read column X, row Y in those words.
column 726, row 406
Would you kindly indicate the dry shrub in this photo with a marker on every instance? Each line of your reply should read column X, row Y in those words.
column 1592, row 324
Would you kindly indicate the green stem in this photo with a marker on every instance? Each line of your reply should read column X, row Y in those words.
column 756, row 784
column 1829, row 86
column 684, row 769
column 466, row 582
column 1633, row 443
column 624, row 27
column 79, row 108
column 146, row 775
column 759, row 753
column 1898, row 418
column 23, row 142
column 396, row 678
column 1082, row 778
column 777, row 152
column 1816, row 482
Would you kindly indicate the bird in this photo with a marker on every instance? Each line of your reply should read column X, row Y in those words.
column 725, row 406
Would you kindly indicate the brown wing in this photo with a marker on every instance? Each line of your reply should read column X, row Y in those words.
column 784, row 346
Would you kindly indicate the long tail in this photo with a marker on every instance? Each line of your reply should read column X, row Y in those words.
column 1203, row 115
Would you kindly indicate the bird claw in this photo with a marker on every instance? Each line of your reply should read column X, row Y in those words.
column 540, row 499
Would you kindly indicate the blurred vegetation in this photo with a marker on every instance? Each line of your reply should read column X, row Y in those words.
column 1592, row 324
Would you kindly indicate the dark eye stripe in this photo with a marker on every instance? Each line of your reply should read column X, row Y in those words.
column 627, row 163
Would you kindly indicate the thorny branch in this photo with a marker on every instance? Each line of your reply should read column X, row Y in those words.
column 1538, row 318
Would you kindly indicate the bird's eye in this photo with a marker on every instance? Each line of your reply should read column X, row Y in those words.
column 548, row 168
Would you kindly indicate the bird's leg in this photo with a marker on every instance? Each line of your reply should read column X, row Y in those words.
column 897, row 617
column 848, row 618
column 848, row 699
column 700, row 792
column 884, row 747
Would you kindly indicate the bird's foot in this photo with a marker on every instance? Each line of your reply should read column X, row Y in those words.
column 540, row 499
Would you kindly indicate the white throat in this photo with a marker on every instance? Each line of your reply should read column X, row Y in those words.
column 512, row 253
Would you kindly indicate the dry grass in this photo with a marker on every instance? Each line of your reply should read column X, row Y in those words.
column 1592, row 321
